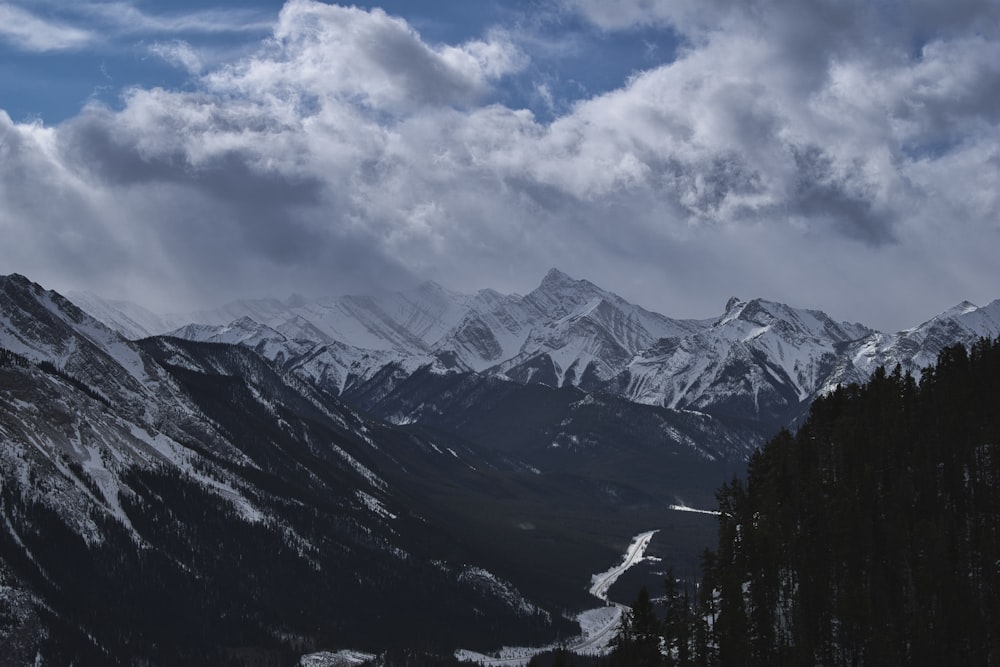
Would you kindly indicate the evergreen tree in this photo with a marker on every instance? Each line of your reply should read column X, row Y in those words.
column 562, row 658
column 678, row 623
column 637, row 643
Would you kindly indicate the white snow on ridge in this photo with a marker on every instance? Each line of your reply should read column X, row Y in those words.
column 373, row 504
column 335, row 659
column 504, row 590
column 369, row 476
column 177, row 456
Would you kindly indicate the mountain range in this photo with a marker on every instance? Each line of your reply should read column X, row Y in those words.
column 421, row 469
column 758, row 360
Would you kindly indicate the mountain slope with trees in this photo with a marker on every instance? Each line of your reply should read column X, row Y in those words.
column 869, row 537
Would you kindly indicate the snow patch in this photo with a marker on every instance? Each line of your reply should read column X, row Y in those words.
column 685, row 508
column 374, row 505
column 344, row 658
column 482, row 579
column 373, row 479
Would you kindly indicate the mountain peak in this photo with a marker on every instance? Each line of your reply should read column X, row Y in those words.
column 19, row 281
column 431, row 287
column 246, row 322
column 734, row 308
column 556, row 278
column 560, row 294
column 960, row 309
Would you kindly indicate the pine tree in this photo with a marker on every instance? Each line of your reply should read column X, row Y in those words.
column 678, row 623
column 637, row 643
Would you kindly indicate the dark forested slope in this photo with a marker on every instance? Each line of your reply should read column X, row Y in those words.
column 869, row 537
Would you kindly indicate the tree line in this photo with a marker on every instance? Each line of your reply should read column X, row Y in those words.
column 871, row 536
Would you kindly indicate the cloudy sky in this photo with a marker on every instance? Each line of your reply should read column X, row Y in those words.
column 836, row 154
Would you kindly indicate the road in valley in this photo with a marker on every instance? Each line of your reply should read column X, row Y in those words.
column 600, row 583
column 599, row 626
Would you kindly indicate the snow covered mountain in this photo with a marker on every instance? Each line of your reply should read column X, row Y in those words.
column 204, row 478
column 581, row 335
column 312, row 355
column 767, row 361
column 565, row 332
column 226, row 479
column 759, row 360
column 148, row 468
column 918, row 347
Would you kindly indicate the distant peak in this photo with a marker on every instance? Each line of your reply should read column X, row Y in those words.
column 246, row 322
column 960, row 309
column 759, row 311
column 430, row 287
column 489, row 294
column 555, row 277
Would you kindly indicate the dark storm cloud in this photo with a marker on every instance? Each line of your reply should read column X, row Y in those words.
column 822, row 196
column 93, row 145
column 240, row 205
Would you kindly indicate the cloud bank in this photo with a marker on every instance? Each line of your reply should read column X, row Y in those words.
column 828, row 154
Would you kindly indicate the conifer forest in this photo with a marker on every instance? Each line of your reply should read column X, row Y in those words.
column 871, row 536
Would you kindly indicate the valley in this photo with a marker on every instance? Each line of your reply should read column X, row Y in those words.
column 598, row 626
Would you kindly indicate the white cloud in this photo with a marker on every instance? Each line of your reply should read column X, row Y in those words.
column 128, row 18
column 368, row 58
column 46, row 26
column 621, row 14
column 180, row 54
column 25, row 30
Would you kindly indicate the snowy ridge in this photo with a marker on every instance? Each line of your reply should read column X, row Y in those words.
column 92, row 450
column 918, row 347
column 586, row 333
column 332, row 365
column 759, row 360
column 131, row 413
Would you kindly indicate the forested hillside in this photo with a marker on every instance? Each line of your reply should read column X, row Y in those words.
column 869, row 537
